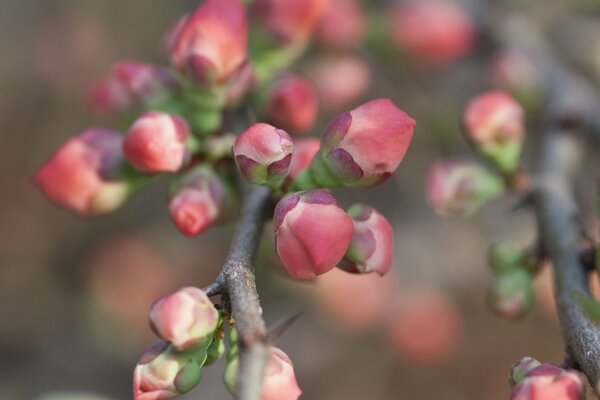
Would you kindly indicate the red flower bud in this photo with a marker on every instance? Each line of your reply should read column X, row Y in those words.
column 211, row 45
column 456, row 187
column 494, row 123
column 304, row 152
column 433, row 31
column 311, row 233
column 291, row 21
column 77, row 176
column 199, row 201
column 550, row 382
column 130, row 83
column 372, row 244
column 163, row 373
column 186, row 318
column 364, row 147
column 157, row 142
column 263, row 154
column 340, row 81
column 292, row 103
column 342, row 25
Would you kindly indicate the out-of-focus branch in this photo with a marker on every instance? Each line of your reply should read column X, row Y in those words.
column 237, row 280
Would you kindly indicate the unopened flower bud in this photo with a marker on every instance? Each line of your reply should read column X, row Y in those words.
column 521, row 368
column 304, row 151
column 312, row 233
column 372, row 244
column 211, row 44
column 200, row 199
column 290, row 21
column 263, row 154
column 361, row 148
column 460, row 188
column 549, row 382
column 494, row 123
column 513, row 71
column 340, row 81
column 511, row 294
column 78, row 175
column 163, row 373
column 504, row 256
column 157, row 142
column 279, row 382
column 432, row 31
column 186, row 318
column 292, row 103
column 342, row 25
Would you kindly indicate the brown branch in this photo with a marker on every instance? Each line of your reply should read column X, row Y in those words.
column 237, row 280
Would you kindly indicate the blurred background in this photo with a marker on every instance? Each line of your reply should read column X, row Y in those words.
column 74, row 294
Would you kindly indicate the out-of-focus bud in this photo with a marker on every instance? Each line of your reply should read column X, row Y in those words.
column 263, row 154
column 549, row 382
column 211, row 45
column 521, row 368
column 290, row 21
column 361, row 148
column 511, row 294
column 163, row 373
column 432, row 31
column 505, row 256
column 199, row 200
column 514, row 72
column 292, row 103
column 240, row 85
column 494, row 123
column 312, row 233
column 130, row 83
column 459, row 188
column 342, row 25
column 304, row 152
column 78, row 175
column 186, row 318
column 279, row 382
column 157, row 142
column 372, row 245
column 426, row 326
column 340, row 81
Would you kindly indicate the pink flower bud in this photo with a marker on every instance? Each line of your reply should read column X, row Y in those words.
column 290, row 21
column 364, row 147
column 372, row 244
column 212, row 44
column 77, row 176
column 550, row 382
column 342, row 25
column 433, row 31
column 157, row 142
column 199, row 201
column 279, row 382
column 185, row 318
column 513, row 71
column 292, row 103
column 456, row 187
column 163, row 373
column 340, row 81
column 304, row 152
column 511, row 294
column 494, row 123
column 520, row 369
column 312, row 233
column 130, row 83
column 263, row 153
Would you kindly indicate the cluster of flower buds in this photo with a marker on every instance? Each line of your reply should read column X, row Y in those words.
column 494, row 124
column 511, row 294
column 189, row 325
column 532, row 380
column 460, row 187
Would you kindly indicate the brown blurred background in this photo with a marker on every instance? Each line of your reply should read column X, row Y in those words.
column 74, row 294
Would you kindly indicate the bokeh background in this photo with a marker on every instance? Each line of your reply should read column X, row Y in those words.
column 74, row 294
